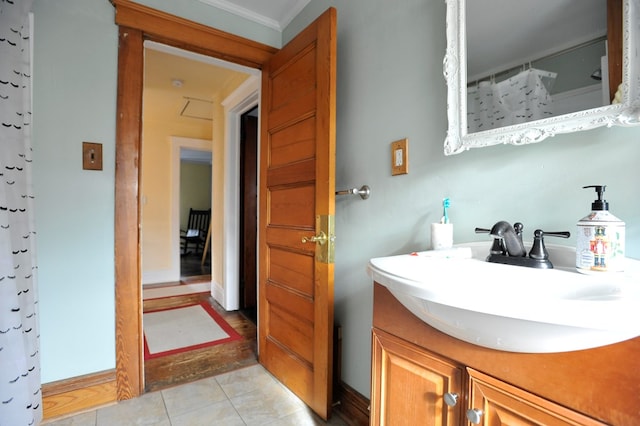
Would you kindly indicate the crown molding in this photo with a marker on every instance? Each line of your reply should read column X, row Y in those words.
column 256, row 17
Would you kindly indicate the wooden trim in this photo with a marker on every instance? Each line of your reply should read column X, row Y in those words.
column 168, row 29
column 614, row 45
column 352, row 406
column 129, row 354
column 146, row 23
column 77, row 394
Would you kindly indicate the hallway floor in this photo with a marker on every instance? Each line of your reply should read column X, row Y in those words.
column 248, row 396
column 184, row 367
column 191, row 265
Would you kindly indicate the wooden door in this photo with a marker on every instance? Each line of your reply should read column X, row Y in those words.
column 248, row 211
column 408, row 385
column 297, row 190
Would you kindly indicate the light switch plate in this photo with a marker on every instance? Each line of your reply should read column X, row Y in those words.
column 91, row 156
column 400, row 157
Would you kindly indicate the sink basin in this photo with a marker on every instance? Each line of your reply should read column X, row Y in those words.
column 513, row 308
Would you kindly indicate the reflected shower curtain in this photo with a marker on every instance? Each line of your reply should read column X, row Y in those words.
column 518, row 99
column 20, row 395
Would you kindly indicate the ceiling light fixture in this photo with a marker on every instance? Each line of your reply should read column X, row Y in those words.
column 175, row 82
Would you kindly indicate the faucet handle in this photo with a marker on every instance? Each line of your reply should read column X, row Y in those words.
column 518, row 227
column 538, row 250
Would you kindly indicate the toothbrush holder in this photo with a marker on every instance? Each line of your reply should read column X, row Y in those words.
column 441, row 236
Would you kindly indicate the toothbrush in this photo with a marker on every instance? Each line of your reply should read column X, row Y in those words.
column 446, row 203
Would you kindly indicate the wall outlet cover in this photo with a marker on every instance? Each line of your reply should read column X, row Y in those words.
column 400, row 157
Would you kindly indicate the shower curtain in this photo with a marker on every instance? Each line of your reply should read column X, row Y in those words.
column 518, row 99
column 20, row 388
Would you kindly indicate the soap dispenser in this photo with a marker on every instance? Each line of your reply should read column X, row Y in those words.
column 600, row 238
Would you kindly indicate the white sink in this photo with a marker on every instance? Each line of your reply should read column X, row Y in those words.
column 514, row 308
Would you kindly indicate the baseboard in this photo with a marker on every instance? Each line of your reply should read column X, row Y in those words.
column 351, row 406
column 160, row 276
column 217, row 291
column 78, row 394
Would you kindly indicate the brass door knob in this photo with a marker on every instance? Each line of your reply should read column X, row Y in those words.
column 320, row 238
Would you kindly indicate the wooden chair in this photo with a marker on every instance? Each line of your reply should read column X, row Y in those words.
column 196, row 232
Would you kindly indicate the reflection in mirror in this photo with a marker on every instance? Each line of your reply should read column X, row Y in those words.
column 534, row 60
column 538, row 68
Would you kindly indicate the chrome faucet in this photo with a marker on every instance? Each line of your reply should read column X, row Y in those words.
column 509, row 249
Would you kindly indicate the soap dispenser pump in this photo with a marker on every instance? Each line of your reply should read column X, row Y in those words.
column 600, row 238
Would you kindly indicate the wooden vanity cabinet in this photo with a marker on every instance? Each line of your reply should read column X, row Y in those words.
column 503, row 404
column 410, row 383
column 414, row 367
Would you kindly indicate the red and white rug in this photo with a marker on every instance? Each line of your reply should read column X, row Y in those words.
column 185, row 328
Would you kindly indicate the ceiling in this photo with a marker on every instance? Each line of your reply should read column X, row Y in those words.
column 527, row 29
column 181, row 87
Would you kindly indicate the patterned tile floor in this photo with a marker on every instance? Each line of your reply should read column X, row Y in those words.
column 249, row 396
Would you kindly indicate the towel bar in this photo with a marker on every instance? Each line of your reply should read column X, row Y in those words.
column 363, row 192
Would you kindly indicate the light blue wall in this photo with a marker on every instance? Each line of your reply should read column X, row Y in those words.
column 390, row 86
column 74, row 83
column 74, row 93
column 198, row 11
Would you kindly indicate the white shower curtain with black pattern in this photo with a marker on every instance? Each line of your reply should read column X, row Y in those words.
column 20, row 388
column 519, row 99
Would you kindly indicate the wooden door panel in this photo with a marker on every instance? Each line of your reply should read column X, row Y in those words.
column 297, row 187
column 295, row 81
column 290, row 207
column 294, row 373
column 301, row 171
column 296, row 304
column 291, row 239
column 293, row 113
column 292, row 270
column 293, row 332
column 294, row 143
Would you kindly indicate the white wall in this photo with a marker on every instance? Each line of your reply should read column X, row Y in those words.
column 390, row 86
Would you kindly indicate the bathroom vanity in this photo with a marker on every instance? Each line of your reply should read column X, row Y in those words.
column 421, row 376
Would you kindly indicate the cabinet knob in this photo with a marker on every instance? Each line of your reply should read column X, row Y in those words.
column 474, row 416
column 451, row 399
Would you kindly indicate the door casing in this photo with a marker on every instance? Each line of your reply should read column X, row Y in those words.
column 138, row 23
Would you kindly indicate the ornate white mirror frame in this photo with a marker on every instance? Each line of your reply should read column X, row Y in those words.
column 625, row 113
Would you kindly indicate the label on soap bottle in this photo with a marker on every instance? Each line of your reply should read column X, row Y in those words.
column 600, row 248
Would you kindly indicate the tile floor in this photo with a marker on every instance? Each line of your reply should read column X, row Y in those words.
column 249, row 396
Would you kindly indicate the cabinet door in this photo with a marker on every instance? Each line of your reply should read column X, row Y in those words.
column 409, row 384
column 498, row 403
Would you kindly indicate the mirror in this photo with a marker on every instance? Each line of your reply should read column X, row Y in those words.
column 536, row 69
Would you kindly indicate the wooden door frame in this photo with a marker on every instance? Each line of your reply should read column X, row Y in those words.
column 138, row 23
